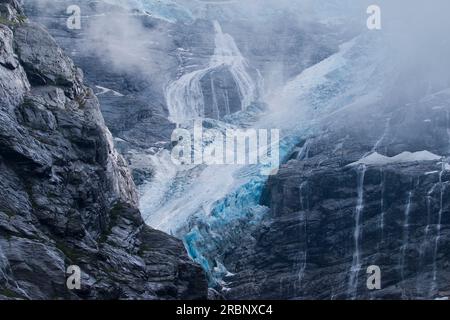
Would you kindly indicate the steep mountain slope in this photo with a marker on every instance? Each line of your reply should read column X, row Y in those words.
column 67, row 195
column 364, row 126
column 331, row 217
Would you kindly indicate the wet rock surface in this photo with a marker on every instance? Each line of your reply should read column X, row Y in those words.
column 306, row 247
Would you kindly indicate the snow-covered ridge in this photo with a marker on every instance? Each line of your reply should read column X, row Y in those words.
column 379, row 159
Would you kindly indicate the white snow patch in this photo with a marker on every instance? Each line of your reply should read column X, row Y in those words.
column 379, row 159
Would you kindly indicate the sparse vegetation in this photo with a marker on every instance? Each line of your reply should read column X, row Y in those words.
column 20, row 20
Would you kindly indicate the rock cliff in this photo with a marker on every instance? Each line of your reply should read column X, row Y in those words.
column 338, row 206
column 67, row 195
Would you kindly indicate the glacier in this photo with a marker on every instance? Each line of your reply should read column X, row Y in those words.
column 203, row 204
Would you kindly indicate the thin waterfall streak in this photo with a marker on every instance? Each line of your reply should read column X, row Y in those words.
column 385, row 133
column 438, row 229
column 214, row 97
column 382, row 222
column 424, row 245
column 356, row 263
column 304, row 254
column 405, row 235
column 448, row 127
column 227, row 103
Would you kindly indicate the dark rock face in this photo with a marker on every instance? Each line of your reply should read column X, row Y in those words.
column 306, row 246
column 43, row 69
column 67, row 195
column 221, row 94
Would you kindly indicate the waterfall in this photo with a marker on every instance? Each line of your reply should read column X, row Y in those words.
column 303, row 255
column 383, row 175
column 383, row 136
column 383, row 190
column 215, row 107
column 424, row 245
column 438, row 229
column 427, row 228
column 405, row 235
column 184, row 97
column 448, row 126
column 227, row 53
column 356, row 263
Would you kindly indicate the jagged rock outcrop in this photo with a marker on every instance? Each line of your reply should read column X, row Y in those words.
column 67, row 195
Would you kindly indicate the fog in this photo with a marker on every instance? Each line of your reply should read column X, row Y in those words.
column 417, row 32
column 414, row 32
column 124, row 41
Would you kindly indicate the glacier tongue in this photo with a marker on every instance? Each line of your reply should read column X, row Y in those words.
column 209, row 206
